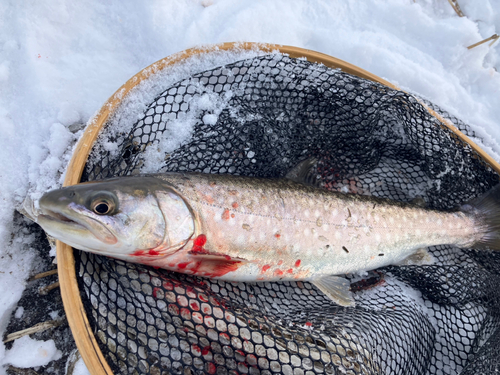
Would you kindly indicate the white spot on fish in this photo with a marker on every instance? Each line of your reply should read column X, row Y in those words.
column 391, row 220
column 316, row 213
column 306, row 213
column 378, row 238
column 367, row 248
column 335, row 213
column 417, row 232
column 306, row 232
column 338, row 235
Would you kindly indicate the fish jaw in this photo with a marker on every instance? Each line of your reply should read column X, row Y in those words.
column 82, row 231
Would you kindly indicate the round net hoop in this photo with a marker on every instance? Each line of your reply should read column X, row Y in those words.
column 77, row 318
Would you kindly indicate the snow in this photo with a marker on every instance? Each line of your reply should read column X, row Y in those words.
column 27, row 352
column 54, row 77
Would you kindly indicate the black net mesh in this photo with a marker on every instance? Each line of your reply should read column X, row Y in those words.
column 368, row 139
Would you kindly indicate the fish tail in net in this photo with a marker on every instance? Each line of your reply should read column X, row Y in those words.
column 487, row 209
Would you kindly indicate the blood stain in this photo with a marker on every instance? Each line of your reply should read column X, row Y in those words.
column 205, row 350
column 153, row 252
column 225, row 214
column 155, row 292
column 277, row 235
column 266, row 267
column 297, row 263
column 182, row 265
column 211, row 368
column 289, row 271
column 138, row 253
column 308, row 324
column 235, row 205
column 232, row 215
column 195, row 306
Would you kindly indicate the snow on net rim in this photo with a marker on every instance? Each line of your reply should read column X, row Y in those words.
column 77, row 318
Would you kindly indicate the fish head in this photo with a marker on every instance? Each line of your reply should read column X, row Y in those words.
column 119, row 217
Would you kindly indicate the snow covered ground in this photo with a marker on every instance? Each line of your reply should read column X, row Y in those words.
column 60, row 61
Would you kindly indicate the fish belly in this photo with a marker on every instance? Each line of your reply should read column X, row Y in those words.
column 282, row 230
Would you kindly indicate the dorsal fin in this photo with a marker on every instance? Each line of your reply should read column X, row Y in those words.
column 305, row 173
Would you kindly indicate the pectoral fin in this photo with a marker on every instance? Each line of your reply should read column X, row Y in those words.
column 336, row 288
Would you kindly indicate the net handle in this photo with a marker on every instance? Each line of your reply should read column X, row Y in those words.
column 73, row 306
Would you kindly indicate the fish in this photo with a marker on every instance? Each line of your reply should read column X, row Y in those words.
column 249, row 229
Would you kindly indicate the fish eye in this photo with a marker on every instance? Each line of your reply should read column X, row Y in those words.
column 102, row 208
column 103, row 204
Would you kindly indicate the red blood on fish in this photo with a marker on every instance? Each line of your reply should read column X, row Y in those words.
column 182, row 265
column 198, row 244
column 289, row 270
column 277, row 235
column 308, row 324
column 138, row 253
column 168, row 285
column 297, row 263
column 235, row 205
column 225, row 214
column 232, row 215
column 153, row 252
column 195, row 348
column 265, row 267
column 279, row 272
column 280, row 263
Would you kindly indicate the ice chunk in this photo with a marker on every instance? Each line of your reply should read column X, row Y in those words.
column 19, row 312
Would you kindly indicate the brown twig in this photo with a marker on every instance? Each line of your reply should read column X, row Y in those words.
column 36, row 328
column 456, row 7
column 494, row 38
column 43, row 274
column 46, row 289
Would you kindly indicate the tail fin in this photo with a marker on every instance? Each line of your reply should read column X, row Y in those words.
column 487, row 209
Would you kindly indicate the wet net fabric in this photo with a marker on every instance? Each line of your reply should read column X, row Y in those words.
column 273, row 113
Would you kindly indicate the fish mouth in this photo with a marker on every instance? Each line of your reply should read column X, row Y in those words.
column 57, row 217
column 51, row 219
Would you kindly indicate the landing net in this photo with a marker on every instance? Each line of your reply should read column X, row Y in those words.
column 261, row 117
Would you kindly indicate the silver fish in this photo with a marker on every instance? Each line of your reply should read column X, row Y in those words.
column 251, row 229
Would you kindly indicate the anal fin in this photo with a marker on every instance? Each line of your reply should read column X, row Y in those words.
column 336, row 288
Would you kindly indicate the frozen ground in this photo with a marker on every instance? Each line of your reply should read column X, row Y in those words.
column 60, row 60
